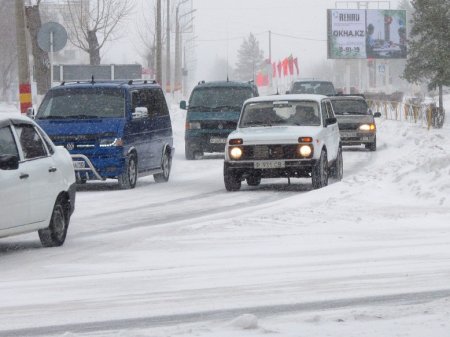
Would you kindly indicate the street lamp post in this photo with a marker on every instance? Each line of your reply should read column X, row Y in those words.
column 184, row 67
column 178, row 48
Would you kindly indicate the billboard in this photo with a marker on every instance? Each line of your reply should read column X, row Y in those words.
column 103, row 72
column 366, row 33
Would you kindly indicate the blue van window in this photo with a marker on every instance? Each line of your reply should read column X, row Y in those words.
column 211, row 98
column 160, row 103
column 144, row 98
column 153, row 100
column 83, row 103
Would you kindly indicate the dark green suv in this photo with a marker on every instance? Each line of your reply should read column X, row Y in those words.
column 212, row 114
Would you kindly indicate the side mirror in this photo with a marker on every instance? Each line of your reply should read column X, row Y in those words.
column 377, row 114
column 30, row 112
column 140, row 112
column 331, row 120
column 183, row 105
column 9, row 162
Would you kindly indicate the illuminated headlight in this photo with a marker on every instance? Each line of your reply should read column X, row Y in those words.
column 235, row 153
column 304, row 150
column 193, row 125
column 111, row 142
column 367, row 127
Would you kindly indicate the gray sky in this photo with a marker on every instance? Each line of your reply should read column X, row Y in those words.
column 217, row 21
column 304, row 20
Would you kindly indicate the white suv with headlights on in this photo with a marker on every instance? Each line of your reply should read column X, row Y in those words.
column 292, row 136
column 37, row 182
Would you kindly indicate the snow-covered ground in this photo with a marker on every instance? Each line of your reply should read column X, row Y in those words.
column 368, row 256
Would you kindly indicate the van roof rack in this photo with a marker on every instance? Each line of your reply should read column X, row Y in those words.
column 130, row 82
column 153, row 81
column 346, row 95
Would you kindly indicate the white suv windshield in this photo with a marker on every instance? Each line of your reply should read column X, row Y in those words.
column 303, row 113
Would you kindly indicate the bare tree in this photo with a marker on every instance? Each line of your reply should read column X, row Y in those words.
column 40, row 57
column 8, row 53
column 147, row 37
column 91, row 26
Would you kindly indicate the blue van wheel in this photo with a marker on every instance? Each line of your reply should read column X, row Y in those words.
column 128, row 178
column 166, row 165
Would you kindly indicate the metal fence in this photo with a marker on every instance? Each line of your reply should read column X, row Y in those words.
column 426, row 115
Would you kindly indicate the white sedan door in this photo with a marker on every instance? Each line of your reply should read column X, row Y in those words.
column 14, row 187
column 39, row 167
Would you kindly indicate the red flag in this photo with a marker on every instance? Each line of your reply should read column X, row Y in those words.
column 262, row 79
column 296, row 65
column 291, row 65
column 285, row 66
column 274, row 69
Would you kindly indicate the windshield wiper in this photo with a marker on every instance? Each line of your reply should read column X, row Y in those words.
column 228, row 106
column 82, row 116
column 50, row 117
column 259, row 125
column 199, row 107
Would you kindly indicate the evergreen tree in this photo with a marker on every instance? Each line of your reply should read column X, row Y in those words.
column 429, row 45
column 250, row 59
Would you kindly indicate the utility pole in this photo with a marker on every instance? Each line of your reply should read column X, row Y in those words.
column 270, row 58
column 22, row 59
column 168, row 89
column 177, row 50
column 158, row 43
column 270, row 46
column 179, row 29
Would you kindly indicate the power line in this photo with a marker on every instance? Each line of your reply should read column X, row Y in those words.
column 230, row 38
column 299, row 37
column 260, row 33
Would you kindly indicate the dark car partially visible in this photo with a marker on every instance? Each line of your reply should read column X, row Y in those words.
column 356, row 121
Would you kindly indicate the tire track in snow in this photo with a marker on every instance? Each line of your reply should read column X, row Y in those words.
column 189, row 208
column 228, row 314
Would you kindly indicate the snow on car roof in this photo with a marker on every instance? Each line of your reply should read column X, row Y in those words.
column 290, row 97
column 11, row 115
column 5, row 118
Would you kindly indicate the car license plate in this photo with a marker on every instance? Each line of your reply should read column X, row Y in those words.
column 215, row 140
column 78, row 164
column 349, row 134
column 272, row 164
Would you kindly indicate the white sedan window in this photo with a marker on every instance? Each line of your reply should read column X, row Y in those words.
column 7, row 143
column 31, row 142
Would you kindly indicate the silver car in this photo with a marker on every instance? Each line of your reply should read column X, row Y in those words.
column 356, row 121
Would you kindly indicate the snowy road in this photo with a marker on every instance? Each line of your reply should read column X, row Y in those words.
column 165, row 256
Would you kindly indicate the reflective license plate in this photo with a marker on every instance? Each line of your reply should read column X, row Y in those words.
column 79, row 164
column 215, row 140
column 349, row 134
column 272, row 164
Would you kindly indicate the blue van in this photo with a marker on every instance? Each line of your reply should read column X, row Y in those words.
column 212, row 114
column 112, row 129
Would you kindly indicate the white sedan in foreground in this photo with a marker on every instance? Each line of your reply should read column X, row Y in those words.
column 37, row 182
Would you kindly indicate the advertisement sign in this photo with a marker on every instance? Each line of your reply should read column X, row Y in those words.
column 361, row 34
